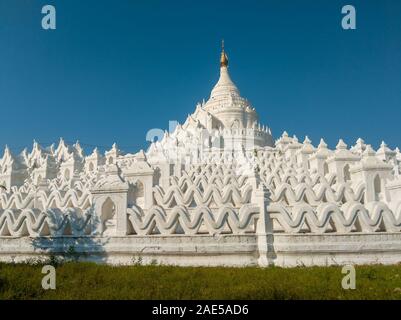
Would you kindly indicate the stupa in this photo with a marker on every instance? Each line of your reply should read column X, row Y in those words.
column 218, row 190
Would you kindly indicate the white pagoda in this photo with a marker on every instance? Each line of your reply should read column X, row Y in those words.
column 218, row 190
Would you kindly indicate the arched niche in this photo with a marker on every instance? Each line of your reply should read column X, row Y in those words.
column 157, row 176
column 377, row 187
column 235, row 124
column 108, row 217
column 67, row 174
column 139, row 194
column 347, row 173
column 325, row 168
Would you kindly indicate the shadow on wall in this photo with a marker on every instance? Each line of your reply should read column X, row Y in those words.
column 74, row 240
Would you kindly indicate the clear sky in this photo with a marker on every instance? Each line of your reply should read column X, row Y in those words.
column 112, row 70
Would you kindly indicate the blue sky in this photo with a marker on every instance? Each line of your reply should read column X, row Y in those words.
column 112, row 70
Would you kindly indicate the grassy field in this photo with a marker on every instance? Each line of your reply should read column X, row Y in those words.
column 91, row 281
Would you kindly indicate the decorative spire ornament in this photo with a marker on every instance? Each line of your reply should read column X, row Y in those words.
column 223, row 57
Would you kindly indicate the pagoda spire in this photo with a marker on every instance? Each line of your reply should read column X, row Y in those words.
column 224, row 86
column 223, row 56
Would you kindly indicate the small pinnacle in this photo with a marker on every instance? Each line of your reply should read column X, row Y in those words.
column 322, row 144
column 341, row 145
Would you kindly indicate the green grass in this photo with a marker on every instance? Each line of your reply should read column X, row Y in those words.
column 92, row 281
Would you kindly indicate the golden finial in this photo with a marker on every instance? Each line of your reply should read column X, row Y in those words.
column 223, row 57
